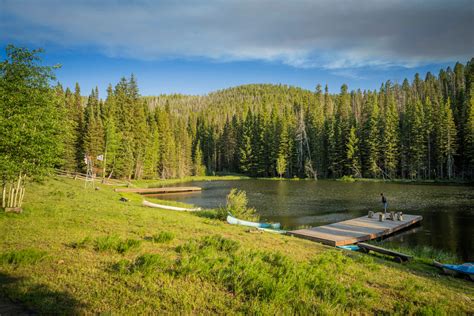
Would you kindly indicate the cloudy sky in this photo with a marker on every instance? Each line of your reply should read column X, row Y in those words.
column 200, row 46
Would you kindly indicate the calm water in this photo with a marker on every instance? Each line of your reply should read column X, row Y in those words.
column 448, row 211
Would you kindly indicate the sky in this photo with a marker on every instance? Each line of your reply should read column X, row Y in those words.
column 196, row 47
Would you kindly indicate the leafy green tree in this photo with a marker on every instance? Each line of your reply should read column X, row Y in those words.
column 30, row 126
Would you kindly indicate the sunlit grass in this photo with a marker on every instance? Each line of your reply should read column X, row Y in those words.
column 81, row 251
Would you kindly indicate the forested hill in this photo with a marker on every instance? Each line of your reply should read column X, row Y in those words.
column 419, row 129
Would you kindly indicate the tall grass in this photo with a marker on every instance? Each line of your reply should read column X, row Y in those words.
column 21, row 257
column 163, row 237
column 108, row 243
column 423, row 253
column 262, row 281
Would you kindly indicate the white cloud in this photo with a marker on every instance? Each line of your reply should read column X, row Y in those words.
column 328, row 34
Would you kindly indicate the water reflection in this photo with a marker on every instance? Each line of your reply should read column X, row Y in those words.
column 448, row 211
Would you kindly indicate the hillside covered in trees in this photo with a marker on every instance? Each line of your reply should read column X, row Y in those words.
column 423, row 129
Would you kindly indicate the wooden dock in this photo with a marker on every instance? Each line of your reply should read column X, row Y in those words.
column 355, row 230
column 159, row 190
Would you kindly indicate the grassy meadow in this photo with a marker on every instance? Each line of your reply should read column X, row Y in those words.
column 76, row 250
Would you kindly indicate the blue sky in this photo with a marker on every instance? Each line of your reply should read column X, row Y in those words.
column 196, row 47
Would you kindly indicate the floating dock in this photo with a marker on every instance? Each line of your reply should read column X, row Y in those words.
column 159, row 190
column 355, row 230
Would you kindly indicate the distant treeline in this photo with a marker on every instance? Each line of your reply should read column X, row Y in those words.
column 422, row 129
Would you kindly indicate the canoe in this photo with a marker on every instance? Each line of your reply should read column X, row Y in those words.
column 271, row 230
column 466, row 269
column 235, row 221
column 172, row 208
column 349, row 247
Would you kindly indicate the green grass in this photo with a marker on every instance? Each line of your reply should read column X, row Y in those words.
column 98, row 255
column 107, row 243
column 169, row 182
column 423, row 254
column 21, row 257
column 163, row 237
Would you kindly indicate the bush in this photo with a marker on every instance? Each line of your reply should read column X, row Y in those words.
column 237, row 206
column 347, row 179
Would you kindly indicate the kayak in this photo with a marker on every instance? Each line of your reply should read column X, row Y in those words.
column 235, row 221
column 349, row 247
column 466, row 269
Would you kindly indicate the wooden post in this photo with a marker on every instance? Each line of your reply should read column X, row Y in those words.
column 10, row 195
column 4, row 193
column 381, row 217
column 22, row 196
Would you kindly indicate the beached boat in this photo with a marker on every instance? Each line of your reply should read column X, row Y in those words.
column 172, row 208
column 235, row 221
column 349, row 247
column 466, row 269
column 272, row 230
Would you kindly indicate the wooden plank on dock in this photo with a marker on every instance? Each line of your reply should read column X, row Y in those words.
column 368, row 247
column 355, row 230
column 159, row 190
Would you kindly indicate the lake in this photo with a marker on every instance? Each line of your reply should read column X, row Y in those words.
column 447, row 210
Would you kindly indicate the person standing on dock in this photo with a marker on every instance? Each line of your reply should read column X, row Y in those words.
column 384, row 202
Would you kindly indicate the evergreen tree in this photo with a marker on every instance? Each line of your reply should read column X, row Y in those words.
column 66, row 111
column 281, row 165
column 246, row 154
column 447, row 140
column 111, row 135
column 414, row 139
column 198, row 165
column 469, row 132
column 371, row 140
column 353, row 153
column 390, row 136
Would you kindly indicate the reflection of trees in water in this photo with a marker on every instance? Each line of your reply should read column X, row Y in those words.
column 447, row 210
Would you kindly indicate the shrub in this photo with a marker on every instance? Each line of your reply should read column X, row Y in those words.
column 347, row 179
column 237, row 206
